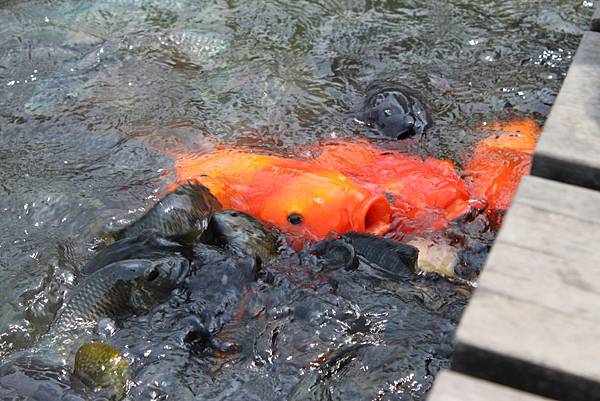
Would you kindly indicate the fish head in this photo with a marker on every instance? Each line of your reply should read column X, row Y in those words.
column 157, row 279
column 230, row 224
column 395, row 111
column 243, row 233
column 312, row 206
column 202, row 201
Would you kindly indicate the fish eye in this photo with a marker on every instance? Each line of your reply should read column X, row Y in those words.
column 153, row 275
column 295, row 218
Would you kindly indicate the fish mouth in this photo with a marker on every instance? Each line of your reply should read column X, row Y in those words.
column 373, row 215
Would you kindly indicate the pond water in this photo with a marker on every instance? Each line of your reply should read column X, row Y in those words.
column 92, row 94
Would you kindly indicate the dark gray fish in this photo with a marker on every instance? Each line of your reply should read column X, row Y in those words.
column 243, row 234
column 392, row 256
column 72, row 82
column 120, row 290
column 333, row 254
column 395, row 111
column 217, row 288
column 141, row 247
column 183, row 214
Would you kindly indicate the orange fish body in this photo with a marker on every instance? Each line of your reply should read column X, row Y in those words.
column 499, row 161
column 355, row 186
column 306, row 202
column 425, row 194
column 313, row 205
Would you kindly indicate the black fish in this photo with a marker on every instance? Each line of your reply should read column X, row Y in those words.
column 216, row 288
column 392, row 256
column 333, row 254
column 182, row 214
column 120, row 290
column 141, row 247
column 395, row 111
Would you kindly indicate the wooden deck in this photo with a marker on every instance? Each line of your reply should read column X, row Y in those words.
column 452, row 386
column 534, row 321
column 569, row 149
column 595, row 26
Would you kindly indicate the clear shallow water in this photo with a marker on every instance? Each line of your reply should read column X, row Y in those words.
column 92, row 95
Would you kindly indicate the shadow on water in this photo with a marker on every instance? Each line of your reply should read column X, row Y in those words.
column 95, row 95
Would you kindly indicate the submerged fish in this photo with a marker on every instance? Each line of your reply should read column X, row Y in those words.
column 243, row 234
column 120, row 290
column 182, row 214
column 35, row 379
column 83, row 81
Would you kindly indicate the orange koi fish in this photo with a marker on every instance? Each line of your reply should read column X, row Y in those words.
column 425, row 194
column 355, row 186
column 499, row 161
column 305, row 201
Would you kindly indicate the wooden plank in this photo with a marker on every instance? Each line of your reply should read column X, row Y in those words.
column 569, row 148
column 534, row 321
column 452, row 386
column 596, row 20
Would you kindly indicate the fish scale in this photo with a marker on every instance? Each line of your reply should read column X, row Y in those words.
column 116, row 291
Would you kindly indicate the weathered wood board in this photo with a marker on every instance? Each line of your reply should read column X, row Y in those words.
column 569, row 149
column 596, row 20
column 534, row 321
column 452, row 386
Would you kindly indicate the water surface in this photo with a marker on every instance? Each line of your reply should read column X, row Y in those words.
column 94, row 95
